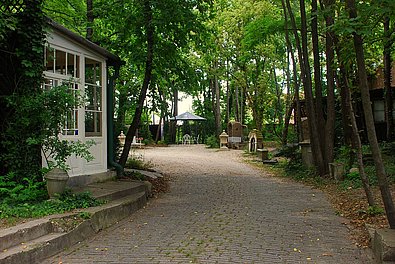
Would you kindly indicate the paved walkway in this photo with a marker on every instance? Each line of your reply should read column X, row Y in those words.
column 220, row 210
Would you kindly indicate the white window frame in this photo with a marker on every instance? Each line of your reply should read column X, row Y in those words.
column 78, row 126
column 98, row 130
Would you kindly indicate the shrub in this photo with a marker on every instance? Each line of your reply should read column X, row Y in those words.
column 375, row 210
column 139, row 164
column 212, row 142
column 14, row 191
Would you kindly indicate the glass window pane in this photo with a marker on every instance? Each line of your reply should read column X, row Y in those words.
column 93, row 97
column 49, row 59
column 92, row 71
column 93, row 123
column 98, row 98
column 378, row 111
column 70, row 65
column 89, row 122
column 89, row 97
column 77, row 66
column 98, row 122
column 378, row 105
column 60, row 62
column 98, row 74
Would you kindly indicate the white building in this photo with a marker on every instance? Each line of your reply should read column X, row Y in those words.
column 71, row 58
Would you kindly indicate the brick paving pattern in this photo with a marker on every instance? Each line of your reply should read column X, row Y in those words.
column 220, row 210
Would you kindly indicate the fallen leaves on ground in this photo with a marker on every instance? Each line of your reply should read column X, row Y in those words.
column 352, row 205
column 159, row 185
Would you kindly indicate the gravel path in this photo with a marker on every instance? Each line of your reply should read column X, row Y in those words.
column 220, row 210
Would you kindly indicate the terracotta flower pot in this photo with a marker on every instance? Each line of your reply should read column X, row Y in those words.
column 56, row 181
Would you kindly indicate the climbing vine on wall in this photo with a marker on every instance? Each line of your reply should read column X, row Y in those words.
column 22, row 36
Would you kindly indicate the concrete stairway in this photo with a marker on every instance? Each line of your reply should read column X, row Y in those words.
column 39, row 239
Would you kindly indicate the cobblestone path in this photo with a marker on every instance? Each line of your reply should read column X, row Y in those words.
column 221, row 210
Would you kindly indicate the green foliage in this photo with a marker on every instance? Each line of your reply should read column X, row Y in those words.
column 294, row 168
column 346, row 155
column 388, row 148
column 22, row 37
column 372, row 211
column 85, row 215
column 47, row 112
column 352, row 180
column 138, row 163
column 290, row 151
column 212, row 141
column 162, row 143
column 7, row 24
column 71, row 13
column 64, row 203
column 15, row 191
column 135, row 176
column 176, row 26
column 375, row 210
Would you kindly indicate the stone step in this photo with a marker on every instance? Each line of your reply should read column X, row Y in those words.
column 149, row 174
column 39, row 239
column 27, row 252
column 24, row 232
column 110, row 191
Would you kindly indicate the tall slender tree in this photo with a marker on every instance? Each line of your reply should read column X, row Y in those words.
column 150, row 31
column 387, row 78
column 369, row 121
column 330, row 78
column 311, row 111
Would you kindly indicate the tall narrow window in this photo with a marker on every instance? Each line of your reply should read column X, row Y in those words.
column 60, row 62
column 93, row 98
column 378, row 111
column 49, row 59
column 63, row 67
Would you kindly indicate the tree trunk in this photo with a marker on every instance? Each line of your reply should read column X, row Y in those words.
column 162, row 114
column 387, row 80
column 217, row 103
column 122, row 99
column 287, row 119
column 147, row 79
column 322, row 169
column 295, row 77
column 317, row 81
column 243, row 99
column 349, row 114
column 289, row 102
column 228, row 106
column 89, row 17
column 366, row 103
column 330, row 76
column 277, row 112
column 257, row 109
column 237, row 103
column 173, row 125
column 213, row 108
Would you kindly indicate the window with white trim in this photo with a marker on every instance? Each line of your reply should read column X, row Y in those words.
column 93, row 98
column 63, row 67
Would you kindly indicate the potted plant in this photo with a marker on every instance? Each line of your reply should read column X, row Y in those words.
column 56, row 152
